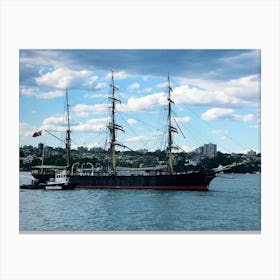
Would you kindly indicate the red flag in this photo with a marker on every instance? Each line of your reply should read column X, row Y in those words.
column 38, row 133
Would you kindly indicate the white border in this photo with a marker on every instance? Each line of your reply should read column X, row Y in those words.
column 140, row 24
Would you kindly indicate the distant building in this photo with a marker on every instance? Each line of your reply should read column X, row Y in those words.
column 82, row 149
column 40, row 147
column 47, row 151
column 251, row 153
column 199, row 150
column 143, row 151
column 207, row 150
column 210, row 150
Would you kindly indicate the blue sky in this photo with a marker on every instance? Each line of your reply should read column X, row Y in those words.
column 216, row 94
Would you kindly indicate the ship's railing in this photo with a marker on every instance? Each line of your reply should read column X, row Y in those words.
column 119, row 174
column 45, row 172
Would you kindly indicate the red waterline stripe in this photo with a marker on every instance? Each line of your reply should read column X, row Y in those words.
column 203, row 188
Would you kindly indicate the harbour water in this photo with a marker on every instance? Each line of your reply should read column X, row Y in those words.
column 232, row 204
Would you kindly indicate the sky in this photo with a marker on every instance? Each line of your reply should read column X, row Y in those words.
column 216, row 96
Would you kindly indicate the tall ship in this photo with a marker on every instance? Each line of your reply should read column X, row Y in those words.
column 159, row 178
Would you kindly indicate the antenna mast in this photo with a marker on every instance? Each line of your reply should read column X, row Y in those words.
column 68, row 139
column 171, row 129
column 113, row 126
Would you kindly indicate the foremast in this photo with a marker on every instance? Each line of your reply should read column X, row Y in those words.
column 68, row 131
column 113, row 126
column 171, row 129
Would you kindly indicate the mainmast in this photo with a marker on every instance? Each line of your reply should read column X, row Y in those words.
column 68, row 139
column 171, row 129
column 113, row 126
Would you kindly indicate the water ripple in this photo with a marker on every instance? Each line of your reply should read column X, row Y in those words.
column 229, row 205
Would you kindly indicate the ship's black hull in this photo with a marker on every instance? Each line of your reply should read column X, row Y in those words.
column 190, row 181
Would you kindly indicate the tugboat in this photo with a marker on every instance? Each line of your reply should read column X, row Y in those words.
column 59, row 182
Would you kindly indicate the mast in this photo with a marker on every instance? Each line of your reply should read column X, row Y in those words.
column 113, row 126
column 171, row 129
column 68, row 139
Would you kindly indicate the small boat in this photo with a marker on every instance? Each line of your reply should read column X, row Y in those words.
column 59, row 182
column 45, row 173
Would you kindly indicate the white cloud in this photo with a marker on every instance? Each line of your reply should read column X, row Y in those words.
column 50, row 94
column 118, row 75
column 143, row 103
column 244, row 86
column 28, row 92
column 93, row 145
column 133, row 104
column 133, row 86
column 100, row 85
column 26, row 130
column 41, row 95
column 187, row 148
column 62, row 78
column 162, row 85
column 235, row 92
column 216, row 113
column 253, row 55
column 43, row 57
column 83, row 110
column 194, row 96
column 255, row 126
column 132, row 121
column 145, row 78
column 93, row 96
column 224, row 134
column 93, row 125
column 90, row 82
column 137, row 139
column 243, row 118
column 57, row 123
column 182, row 119
column 146, row 90
column 222, row 113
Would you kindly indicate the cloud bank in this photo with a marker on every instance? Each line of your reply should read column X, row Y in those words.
column 222, row 113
